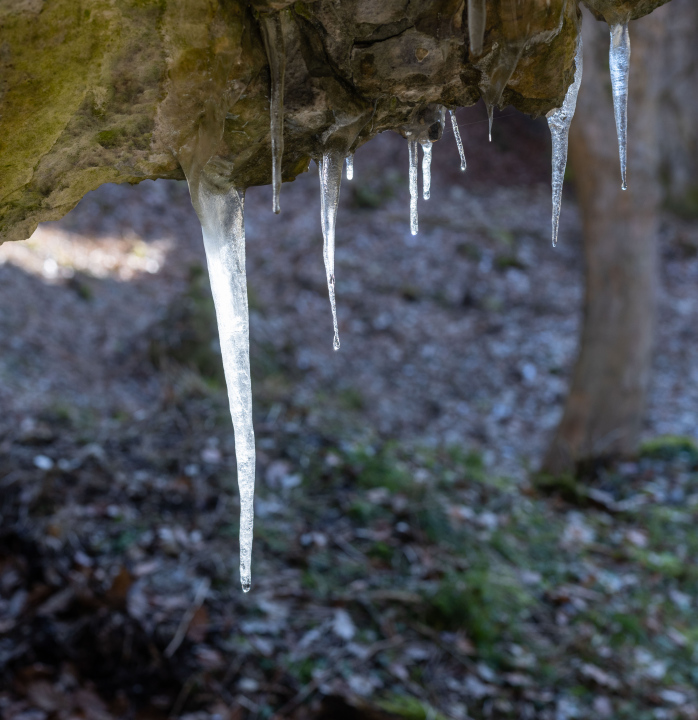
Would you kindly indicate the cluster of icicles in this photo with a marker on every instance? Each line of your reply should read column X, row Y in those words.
column 222, row 219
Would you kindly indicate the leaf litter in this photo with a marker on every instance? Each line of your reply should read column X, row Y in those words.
column 425, row 576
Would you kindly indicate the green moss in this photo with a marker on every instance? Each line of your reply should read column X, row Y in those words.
column 382, row 551
column 302, row 9
column 565, row 485
column 478, row 601
column 84, row 132
column 109, row 138
column 363, row 511
column 46, row 86
column 668, row 447
column 505, row 262
column 665, row 563
column 379, row 469
column 410, row 708
column 351, row 399
column 626, row 627
column 302, row 670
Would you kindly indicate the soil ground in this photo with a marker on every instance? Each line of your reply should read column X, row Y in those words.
column 405, row 564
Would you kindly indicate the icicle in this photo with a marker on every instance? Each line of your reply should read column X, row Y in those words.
column 350, row 167
column 426, row 169
column 222, row 221
column 559, row 123
column 477, row 17
column 272, row 32
column 330, row 168
column 490, row 117
column 619, row 61
column 459, row 142
column 414, row 190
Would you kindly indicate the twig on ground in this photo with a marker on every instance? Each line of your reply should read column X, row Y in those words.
column 350, row 550
column 307, row 690
column 183, row 695
column 179, row 636
column 434, row 636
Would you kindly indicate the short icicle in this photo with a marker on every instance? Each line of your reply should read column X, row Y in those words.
column 222, row 221
column 426, row 169
column 272, row 32
column 350, row 167
column 559, row 123
column 619, row 61
column 414, row 190
column 459, row 141
column 477, row 18
column 490, row 117
column 330, row 168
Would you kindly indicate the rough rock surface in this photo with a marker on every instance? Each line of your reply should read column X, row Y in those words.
column 97, row 91
column 618, row 11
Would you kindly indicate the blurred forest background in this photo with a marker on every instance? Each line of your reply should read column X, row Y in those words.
column 410, row 559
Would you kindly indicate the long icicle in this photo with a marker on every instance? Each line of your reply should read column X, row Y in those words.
column 272, row 32
column 559, row 123
column 350, row 167
column 459, row 141
column 222, row 221
column 619, row 62
column 330, row 168
column 477, row 19
column 426, row 169
column 414, row 190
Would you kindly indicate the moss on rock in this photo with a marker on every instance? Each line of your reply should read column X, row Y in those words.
column 96, row 91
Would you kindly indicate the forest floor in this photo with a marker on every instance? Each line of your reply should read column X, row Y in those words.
column 406, row 563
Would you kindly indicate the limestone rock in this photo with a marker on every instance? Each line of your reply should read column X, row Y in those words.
column 618, row 11
column 96, row 91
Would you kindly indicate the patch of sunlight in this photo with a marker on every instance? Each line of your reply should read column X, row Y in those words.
column 55, row 254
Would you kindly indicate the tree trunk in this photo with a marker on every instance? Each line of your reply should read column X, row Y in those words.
column 604, row 408
column 678, row 141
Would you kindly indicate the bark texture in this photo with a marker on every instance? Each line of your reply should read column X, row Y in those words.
column 678, row 107
column 604, row 407
column 96, row 91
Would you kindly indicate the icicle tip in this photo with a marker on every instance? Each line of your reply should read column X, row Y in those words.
column 459, row 140
column 350, row 167
column 330, row 167
column 426, row 170
column 414, row 218
column 619, row 63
